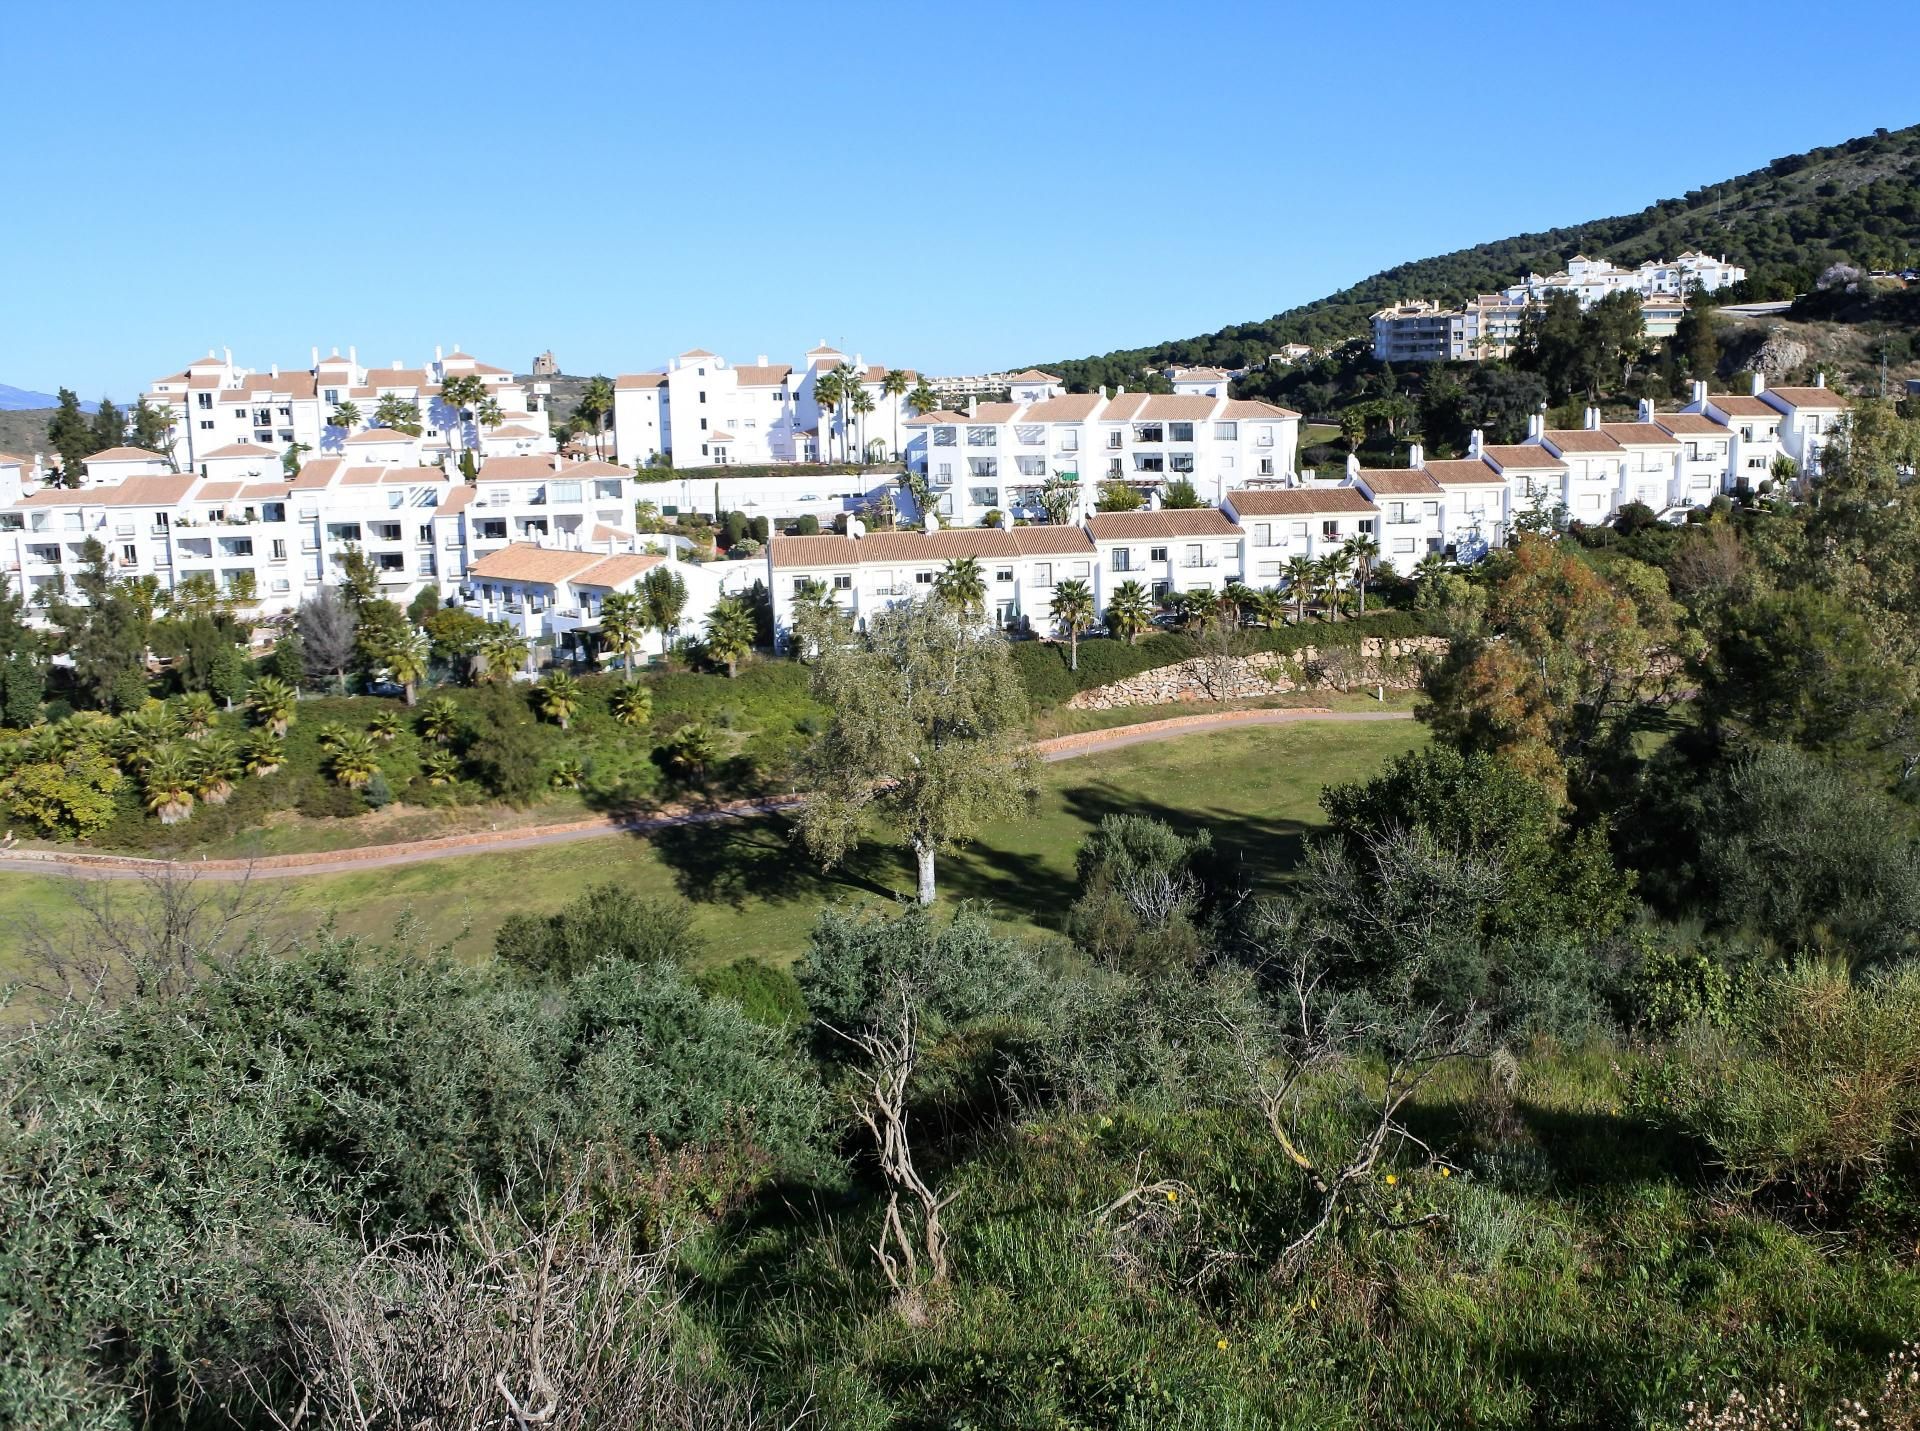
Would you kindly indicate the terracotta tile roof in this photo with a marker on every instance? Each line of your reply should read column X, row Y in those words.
column 628, row 382
column 771, row 376
column 129, row 492
column 1639, row 434
column 698, row 353
column 823, row 348
column 1132, row 526
column 604, row 533
column 718, row 434
column 1187, row 375
column 993, row 412
column 1074, row 407
column 616, row 570
column 1123, row 406
column 941, row 418
column 882, row 548
column 1581, row 439
column 1823, row 399
column 377, row 434
column 317, row 473
column 513, row 429
column 1252, row 408
column 1469, row 472
column 876, row 374
column 1523, row 457
column 1034, row 375
column 488, row 368
column 524, row 561
column 1300, row 501
column 1161, row 407
column 529, row 466
column 240, row 449
column 1690, row 424
column 361, row 476
column 381, row 378
column 1740, row 405
column 264, row 489
column 1399, row 481
column 123, row 454
column 218, row 492
column 456, row 500
column 8, row 459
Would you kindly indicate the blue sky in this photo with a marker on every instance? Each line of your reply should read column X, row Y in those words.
column 947, row 188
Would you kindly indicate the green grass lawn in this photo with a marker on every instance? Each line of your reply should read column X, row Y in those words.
column 756, row 896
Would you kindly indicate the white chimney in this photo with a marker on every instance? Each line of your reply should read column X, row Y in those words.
column 1103, row 392
column 1759, row 383
column 314, row 353
column 1416, row 455
column 353, row 355
column 1006, row 521
column 274, row 371
column 1820, row 378
column 760, row 360
column 1536, row 424
column 1475, row 441
column 437, row 354
column 930, row 523
column 1353, row 465
column 1593, row 419
column 859, row 363
column 973, row 407
column 1646, row 409
column 396, row 365
column 1153, row 500
column 1700, row 393
column 855, row 527
column 229, row 353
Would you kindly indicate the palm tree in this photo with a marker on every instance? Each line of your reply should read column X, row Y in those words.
column 623, row 623
column 1129, row 610
column 894, row 384
column 440, row 719
column 1332, row 569
column 354, row 760
column 272, row 701
column 632, row 705
column 859, row 404
column 596, row 406
column 346, row 415
column 568, row 773
column 828, row 388
column 1235, row 599
column 558, row 696
column 142, row 734
column 1270, row 607
column 730, row 631
column 406, row 657
column 690, row 750
column 501, row 652
column 385, row 727
column 962, row 587
column 1302, row 573
column 463, row 394
column 1362, row 551
column 847, row 384
column 1429, row 566
column 441, row 767
column 923, row 399
column 488, row 414
column 215, row 766
column 168, row 782
column 664, row 593
column 400, row 414
column 263, row 753
column 197, row 714
column 1073, row 613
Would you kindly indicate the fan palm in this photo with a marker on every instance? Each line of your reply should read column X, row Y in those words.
column 1429, row 566
column 632, row 705
column 197, row 714
column 859, row 404
column 263, row 753
column 168, row 782
column 385, row 727
column 1270, row 607
column 328, row 735
column 1332, row 572
column 354, row 759
column 142, row 734
column 624, row 625
column 730, row 630
column 596, row 405
column 441, row 767
column 1361, row 552
column 690, row 750
column 406, row 657
column 273, row 701
column 1302, row 572
column 1073, row 613
column 1129, row 610
column 215, row 766
column 440, row 719
column 501, row 652
column 894, row 384
column 1235, row 600
column 829, row 388
column 557, row 696
column 568, row 773
column 346, row 416
column 962, row 587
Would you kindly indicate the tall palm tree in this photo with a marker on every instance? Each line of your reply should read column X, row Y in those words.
column 664, row 592
column 346, row 415
column 354, row 760
column 1073, row 613
column 463, row 394
column 501, row 652
column 440, row 719
column 828, row 389
column 1302, row 573
column 962, row 587
column 1270, row 607
column 623, row 622
column 215, row 766
column 558, row 697
column 168, row 782
column 730, row 627
column 1236, row 597
column 406, row 658
column 894, row 384
column 488, row 414
column 844, row 389
column 859, row 405
column 923, row 399
column 1129, row 610
column 1362, row 552
column 596, row 405
column 1332, row 569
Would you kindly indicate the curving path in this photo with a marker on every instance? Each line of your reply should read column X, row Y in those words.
column 1064, row 747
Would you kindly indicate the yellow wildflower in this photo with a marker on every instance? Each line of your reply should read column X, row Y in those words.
column 1221, row 1344
column 1446, row 1172
column 1391, row 1179
column 1172, row 1196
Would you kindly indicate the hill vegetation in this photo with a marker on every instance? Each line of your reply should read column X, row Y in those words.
column 1857, row 202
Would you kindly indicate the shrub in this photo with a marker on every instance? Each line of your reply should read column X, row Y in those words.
column 607, row 922
column 765, row 994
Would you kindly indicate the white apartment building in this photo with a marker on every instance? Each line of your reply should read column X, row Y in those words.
column 1704, row 447
column 1196, row 549
column 1283, row 523
column 1420, row 331
column 1811, row 416
column 996, row 457
column 1591, row 279
column 214, row 404
column 1413, row 511
column 703, row 411
column 1754, row 426
column 870, row 572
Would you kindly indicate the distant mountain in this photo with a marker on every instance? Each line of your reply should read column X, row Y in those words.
column 1857, row 202
column 21, row 400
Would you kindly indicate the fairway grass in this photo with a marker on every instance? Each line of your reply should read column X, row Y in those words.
column 755, row 895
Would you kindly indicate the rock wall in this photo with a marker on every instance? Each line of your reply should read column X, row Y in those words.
column 1372, row 662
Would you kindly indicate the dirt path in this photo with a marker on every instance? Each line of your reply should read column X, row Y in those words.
column 1063, row 747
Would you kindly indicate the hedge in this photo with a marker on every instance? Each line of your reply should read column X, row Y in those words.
column 1103, row 660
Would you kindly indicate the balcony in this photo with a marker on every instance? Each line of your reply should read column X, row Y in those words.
column 1198, row 563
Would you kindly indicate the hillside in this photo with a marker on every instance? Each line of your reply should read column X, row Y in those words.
column 1858, row 201
column 24, row 431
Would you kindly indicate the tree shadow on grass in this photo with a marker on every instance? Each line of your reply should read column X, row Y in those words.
column 733, row 861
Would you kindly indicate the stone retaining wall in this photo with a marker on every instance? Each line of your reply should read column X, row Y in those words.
column 1371, row 662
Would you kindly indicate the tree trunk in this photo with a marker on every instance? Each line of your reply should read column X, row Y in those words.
column 409, row 695
column 1073, row 648
column 923, row 856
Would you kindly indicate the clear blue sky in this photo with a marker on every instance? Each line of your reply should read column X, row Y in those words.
column 939, row 186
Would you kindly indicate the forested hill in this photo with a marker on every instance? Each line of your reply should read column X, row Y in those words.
column 1858, row 201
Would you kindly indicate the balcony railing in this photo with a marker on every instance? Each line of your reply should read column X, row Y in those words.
column 1195, row 563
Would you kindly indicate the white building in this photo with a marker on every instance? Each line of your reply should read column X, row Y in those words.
column 1283, row 523
column 1419, row 331
column 1413, row 511
column 703, row 411
column 1811, row 416
column 997, row 457
column 1591, row 279
column 1195, row 549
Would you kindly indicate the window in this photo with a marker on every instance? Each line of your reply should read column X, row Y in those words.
column 1403, row 546
column 1430, row 509
column 923, row 578
column 1180, row 462
column 983, row 437
column 703, row 428
column 983, row 466
column 279, row 551
column 1396, row 511
column 1149, row 462
column 1122, row 559
column 843, row 581
column 1266, row 467
column 1330, row 531
column 206, row 424
column 1043, row 573
column 1156, row 553
column 423, row 534
column 1147, row 432
column 206, row 401
column 984, row 496
column 1227, row 431
column 1031, row 466
column 1365, row 525
column 1114, row 438
column 1179, row 432
column 1116, row 467
column 703, row 394
column 1003, row 573
column 129, row 554
column 564, row 491
column 1263, row 534
column 331, row 395
column 607, row 488
column 943, row 437
column 1070, row 441
column 396, row 500
column 1268, row 571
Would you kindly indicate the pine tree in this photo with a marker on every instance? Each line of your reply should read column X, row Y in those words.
column 109, row 426
column 72, row 437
